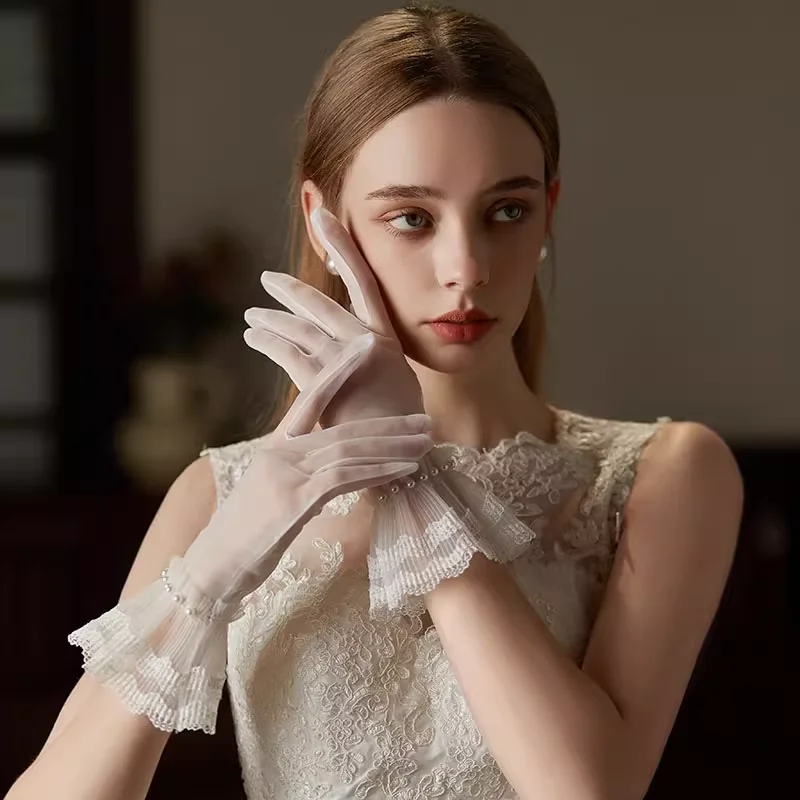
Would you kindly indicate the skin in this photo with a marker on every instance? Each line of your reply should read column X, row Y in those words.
column 557, row 729
column 472, row 245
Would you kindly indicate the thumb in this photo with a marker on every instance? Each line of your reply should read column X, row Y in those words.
column 363, row 289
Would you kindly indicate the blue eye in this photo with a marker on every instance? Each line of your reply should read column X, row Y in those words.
column 414, row 222
column 512, row 212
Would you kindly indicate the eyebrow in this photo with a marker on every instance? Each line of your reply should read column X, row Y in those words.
column 416, row 192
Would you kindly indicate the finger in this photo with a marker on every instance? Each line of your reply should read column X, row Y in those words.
column 308, row 406
column 367, row 450
column 303, row 333
column 338, row 481
column 300, row 367
column 308, row 303
column 401, row 425
column 359, row 279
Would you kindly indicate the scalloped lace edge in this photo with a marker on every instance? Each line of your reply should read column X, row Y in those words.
column 180, row 701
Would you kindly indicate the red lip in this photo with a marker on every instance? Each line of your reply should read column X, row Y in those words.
column 470, row 315
column 462, row 327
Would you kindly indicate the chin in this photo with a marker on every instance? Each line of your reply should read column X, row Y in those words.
column 453, row 359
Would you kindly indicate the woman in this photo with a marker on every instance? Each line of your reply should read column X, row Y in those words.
column 522, row 624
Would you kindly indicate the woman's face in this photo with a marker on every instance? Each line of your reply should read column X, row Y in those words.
column 448, row 205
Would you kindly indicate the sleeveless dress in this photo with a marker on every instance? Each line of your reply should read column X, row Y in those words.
column 330, row 703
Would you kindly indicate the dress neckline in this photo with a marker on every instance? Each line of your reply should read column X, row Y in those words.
column 507, row 443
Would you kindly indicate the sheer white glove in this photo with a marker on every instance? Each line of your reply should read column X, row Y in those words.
column 295, row 475
column 165, row 649
column 428, row 526
column 316, row 329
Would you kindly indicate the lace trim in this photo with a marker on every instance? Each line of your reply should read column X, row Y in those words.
column 427, row 527
column 163, row 652
column 229, row 463
column 147, row 683
column 324, row 696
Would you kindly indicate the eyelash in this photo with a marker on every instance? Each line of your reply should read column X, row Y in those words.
column 523, row 207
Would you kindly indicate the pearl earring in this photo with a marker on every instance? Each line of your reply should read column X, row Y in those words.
column 543, row 253
column 330, row 266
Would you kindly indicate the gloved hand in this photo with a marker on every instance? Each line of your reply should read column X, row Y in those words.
column 428, row 526
column 164, row 650
column 318, row 328
column 295, row 475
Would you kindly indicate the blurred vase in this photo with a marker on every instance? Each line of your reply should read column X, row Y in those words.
column 178, row 406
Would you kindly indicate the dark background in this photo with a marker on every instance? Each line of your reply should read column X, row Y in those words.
column 68, row 533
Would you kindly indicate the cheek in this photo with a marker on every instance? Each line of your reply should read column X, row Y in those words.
column 512, row 281
column 516, row 263
column 389, row 264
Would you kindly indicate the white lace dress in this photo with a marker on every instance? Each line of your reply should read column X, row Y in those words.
column 329, row 703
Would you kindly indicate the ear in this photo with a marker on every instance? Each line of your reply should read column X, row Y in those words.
column 553, row 191
column 311, row 198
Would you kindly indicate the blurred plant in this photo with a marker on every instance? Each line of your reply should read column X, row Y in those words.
column 193, row 294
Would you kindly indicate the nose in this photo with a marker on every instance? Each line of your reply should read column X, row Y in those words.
column 461, row 262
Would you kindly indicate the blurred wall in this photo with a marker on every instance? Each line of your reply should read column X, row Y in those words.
column 677, row 280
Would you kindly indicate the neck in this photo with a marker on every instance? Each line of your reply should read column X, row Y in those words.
column 480, row 407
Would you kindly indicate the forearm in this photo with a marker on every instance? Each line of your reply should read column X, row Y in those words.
column 552, row 730
column 103, row 753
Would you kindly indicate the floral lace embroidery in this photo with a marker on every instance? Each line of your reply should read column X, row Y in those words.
column 329, row 702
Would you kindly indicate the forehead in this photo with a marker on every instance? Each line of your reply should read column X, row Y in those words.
column 455, row 145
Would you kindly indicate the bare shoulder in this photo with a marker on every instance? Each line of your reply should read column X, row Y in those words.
column 692, row 443
column 690, row 464
column 186, row 509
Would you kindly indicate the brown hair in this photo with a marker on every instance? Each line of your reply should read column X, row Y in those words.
column 391, row 62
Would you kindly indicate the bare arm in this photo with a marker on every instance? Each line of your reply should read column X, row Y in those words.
column 558, row 731
column 97, row 749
